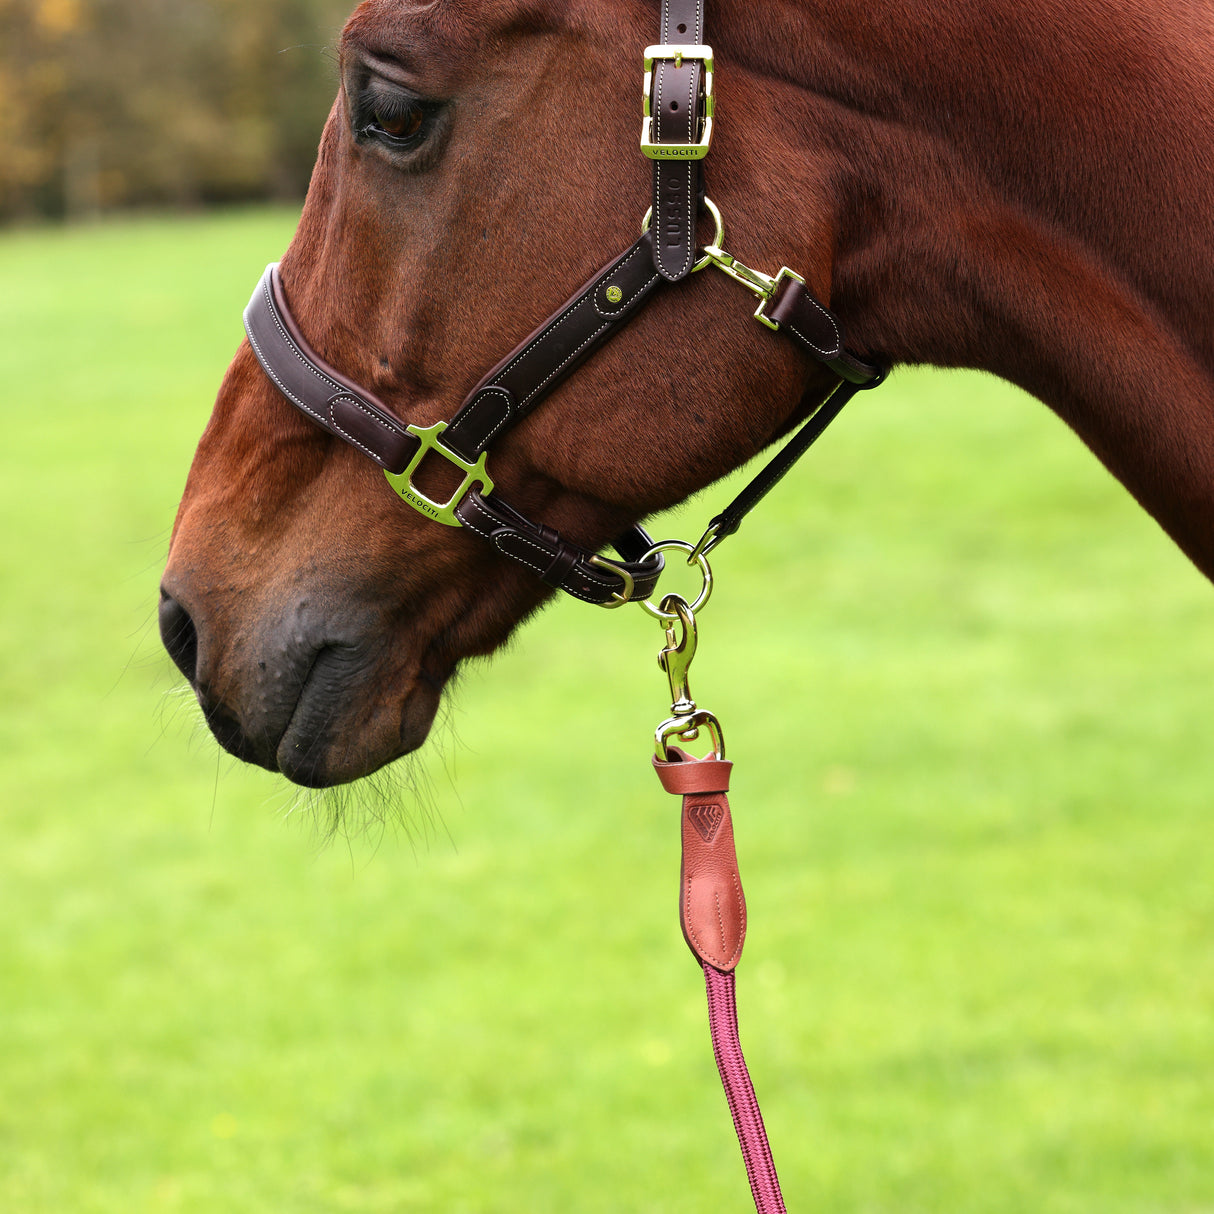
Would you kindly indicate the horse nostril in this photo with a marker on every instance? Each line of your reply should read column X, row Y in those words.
column 179, row 635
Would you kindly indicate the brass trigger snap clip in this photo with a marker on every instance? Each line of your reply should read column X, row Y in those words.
column 686, row 720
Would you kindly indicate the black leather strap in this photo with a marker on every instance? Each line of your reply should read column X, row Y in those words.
column 731, row 518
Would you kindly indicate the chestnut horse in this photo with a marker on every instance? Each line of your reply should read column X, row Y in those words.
column 1018, row 185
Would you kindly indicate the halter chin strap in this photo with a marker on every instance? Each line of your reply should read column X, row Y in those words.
column 677, row 132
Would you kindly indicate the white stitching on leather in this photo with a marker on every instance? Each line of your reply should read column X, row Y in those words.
column 691, row 134
column 531, row 348
column 544, row 383
column 485, row 531
column 810, row 344
column 657, row 202
column 481, row 398
column 625, row 305
column 604, row 282
column 488, row 525
column 541, row 569
column 291, row 341
column 346, row 398
column 818, row 349
column 549, row 329
column 265, row 366
column 515, row 535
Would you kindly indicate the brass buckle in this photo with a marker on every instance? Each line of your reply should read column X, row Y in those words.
column 617, row 600
column 677, row 151
column 440, row 512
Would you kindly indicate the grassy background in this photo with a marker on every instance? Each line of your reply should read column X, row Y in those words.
column 967, row 686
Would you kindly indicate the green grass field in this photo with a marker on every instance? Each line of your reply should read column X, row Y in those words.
column 967, row 685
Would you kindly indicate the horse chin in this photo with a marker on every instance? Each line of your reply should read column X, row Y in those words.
column 342, row 730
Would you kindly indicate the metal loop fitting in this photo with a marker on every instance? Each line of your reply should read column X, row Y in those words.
column 717, row 237
column 694, row 557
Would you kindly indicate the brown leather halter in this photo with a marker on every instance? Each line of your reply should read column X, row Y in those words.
column 676, row 137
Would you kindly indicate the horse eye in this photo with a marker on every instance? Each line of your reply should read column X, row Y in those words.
column 400, row 126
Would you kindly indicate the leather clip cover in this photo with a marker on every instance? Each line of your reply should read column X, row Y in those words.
column 712, row 906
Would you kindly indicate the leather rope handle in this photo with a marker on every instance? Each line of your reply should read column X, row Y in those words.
column 712, row 911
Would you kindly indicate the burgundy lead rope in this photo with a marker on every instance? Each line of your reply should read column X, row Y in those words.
column 740, row 1092
column 712, row 910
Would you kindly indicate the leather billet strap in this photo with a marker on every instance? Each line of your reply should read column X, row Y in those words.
column 559, row 563
column 676, row 103
column 712, row 907
column 818, row 332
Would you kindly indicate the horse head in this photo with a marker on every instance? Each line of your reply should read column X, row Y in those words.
column 479, row 163
column 921, row 166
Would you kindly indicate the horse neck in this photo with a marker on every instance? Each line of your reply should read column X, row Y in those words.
column 1025, row 188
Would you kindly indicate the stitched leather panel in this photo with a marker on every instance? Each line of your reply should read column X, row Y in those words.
column 675, row 106
column 354, row 420
column 308, row 382
column 561, row 564
column 563, row 342
column 712, row 906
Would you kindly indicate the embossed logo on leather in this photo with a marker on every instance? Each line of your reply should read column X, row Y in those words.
column 706, row 819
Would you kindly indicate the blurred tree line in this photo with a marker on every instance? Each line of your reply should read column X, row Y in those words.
column 112, row 103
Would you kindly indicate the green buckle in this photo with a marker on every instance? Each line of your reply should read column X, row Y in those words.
column 440, row 512
column 677, row 151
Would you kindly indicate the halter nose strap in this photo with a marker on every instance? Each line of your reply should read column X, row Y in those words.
column 358, row 417
column 322, row 392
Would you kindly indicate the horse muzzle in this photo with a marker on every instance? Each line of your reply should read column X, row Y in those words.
column 302, row 688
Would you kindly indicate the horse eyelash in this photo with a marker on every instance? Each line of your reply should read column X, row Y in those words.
column 392, row 108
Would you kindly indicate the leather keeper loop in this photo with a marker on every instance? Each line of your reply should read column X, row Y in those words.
column 689, row 775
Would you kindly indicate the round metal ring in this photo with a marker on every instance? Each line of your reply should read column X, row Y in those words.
column 705, row 569
column 718, row 239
